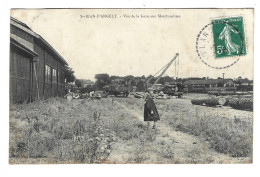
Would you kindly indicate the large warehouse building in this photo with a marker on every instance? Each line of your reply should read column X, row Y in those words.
column 36, row 69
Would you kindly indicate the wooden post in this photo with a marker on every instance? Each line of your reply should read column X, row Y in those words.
column 31, row 81
column 44, row 73
column 36, row 79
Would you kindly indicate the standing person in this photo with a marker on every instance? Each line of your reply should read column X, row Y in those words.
column 150, row 111
column 226, row 36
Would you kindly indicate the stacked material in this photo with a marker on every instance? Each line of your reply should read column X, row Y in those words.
column 236, row 103
column 241, row 103
column 139, row 95
column 228, row 100
column 211, row 101
column 198, row 101
column 161, row 96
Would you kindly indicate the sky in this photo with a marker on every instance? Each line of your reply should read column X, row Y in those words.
column 136, row 45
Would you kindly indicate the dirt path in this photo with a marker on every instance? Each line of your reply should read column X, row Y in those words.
column 169, row 146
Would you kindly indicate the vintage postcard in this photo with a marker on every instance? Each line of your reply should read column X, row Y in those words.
column 131, row 86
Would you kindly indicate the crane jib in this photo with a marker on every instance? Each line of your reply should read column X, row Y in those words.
column 165, row 69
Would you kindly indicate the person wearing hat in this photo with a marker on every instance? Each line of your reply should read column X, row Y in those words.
column 150, row 111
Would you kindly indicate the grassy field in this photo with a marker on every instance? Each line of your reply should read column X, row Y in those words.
column 80, row 131
column 111, row 130
column 227, row 130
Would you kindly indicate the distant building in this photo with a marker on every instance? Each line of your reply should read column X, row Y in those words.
column 36, row 68
column 85, row 83
column 202, row 85
column 244, row 84
column 209, row 83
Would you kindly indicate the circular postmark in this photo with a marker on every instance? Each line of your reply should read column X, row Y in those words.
column 220, row 44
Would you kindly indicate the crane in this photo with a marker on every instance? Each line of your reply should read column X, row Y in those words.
column 164, row 69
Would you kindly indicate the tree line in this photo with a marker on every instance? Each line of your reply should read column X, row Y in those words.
column 105, row 79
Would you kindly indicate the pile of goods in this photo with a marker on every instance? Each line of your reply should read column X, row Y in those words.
column 139, row 95
column 241, row 103
column 211, row 101
column 161, row 96
column 236, row 103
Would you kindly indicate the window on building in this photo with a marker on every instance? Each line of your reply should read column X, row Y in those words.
column 54, row 75
column 47, row 74
column 58, row 75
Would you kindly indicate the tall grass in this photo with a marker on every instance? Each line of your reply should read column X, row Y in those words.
column 78, row 131
column 229, row 135
column 84, row 131
column 225, row 134
column 59, row 131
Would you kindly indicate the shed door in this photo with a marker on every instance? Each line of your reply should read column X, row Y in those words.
column 20, row 76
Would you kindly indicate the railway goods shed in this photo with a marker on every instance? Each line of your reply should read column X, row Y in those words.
column 36, row 68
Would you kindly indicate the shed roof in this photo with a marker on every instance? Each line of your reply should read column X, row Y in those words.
column 23, row 44
column 20, row 23
column 40, row 39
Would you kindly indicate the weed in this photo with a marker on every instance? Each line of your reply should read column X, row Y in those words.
column 54, row 129
column 138, row 156
column 167, row 152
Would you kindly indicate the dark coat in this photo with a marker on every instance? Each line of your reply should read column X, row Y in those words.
column 150, row 111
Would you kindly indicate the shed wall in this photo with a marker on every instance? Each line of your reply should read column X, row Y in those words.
column 28, row 78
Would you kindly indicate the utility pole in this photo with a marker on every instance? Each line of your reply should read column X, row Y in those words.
column 223, row 78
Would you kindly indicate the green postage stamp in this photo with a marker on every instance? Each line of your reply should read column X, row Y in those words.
column 229, row 38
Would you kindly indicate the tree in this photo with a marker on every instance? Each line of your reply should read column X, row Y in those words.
column 69, row 74
column 102, row 80
column 152, row 81
column 133, row 83
column 114, row 77
column 140, row 86
column 169, row 79
column 128, row 78
column 162, row 80
column 78, row 83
